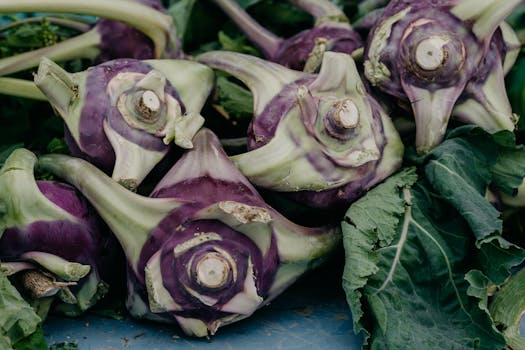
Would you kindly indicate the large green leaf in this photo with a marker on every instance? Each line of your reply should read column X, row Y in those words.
column 459, row 171
column 17, row 319
column 409, row 265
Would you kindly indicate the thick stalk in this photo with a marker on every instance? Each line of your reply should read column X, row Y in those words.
column 81, row 46
column 267, row 41
column 130, row 216
column 264, row 79
column 10, row 268
column 21, row 88
column 321, row 9
column 151, row 22
column 62, row 22
column 66, row 270
column 486, row 14
column 57, row 84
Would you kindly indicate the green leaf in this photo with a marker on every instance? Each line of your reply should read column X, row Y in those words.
column 234, row 99
column 509, row 170
column 35, row 341
column 181, row 13
column 363, row 229
column 409, row 265
column 17, row 319
column 237, row 44
column 459, row 170
column 497, row 257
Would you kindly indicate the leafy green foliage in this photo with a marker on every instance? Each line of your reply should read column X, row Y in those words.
column 27, row 37
column 18, row 321
column 423, row 257
column 234, row 99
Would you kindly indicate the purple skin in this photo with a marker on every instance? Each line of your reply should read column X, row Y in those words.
column 203, row 212
column 109, row 39
column 312, row 133
column 339, row 197
column 58, row 231
column 262, row 129
column 494, row 111
column 240, row 247
column 119, row 40
column 398, row 56
column 263, row 126
column 93, row 144
column 295, row 51
column 426, row 52
column 85, row 242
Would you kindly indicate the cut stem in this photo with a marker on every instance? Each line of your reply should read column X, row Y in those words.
column 151, row 22
column 57, row 84
column 66, row 270
column 266, row 41
column 21, row 88
column 81, row 46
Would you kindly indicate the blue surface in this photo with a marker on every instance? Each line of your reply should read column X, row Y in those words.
column 312, row 315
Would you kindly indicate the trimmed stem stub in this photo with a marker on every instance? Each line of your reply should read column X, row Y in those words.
column 431, row 53
column 40, row 285
column 346, row 115
column 66, row 270
column 149, row 104
column 212, row 271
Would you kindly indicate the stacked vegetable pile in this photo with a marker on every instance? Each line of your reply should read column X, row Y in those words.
column 218, row 173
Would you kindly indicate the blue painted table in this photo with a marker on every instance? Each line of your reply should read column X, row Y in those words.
column 311, row 315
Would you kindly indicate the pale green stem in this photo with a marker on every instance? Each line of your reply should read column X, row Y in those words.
column 66, row 270
column 264, row 79
column 151, row 22
column 322, row 10
column 130, row 216
column 81, row 46
column 21, row 88
column 57, row 84
column 12, row 267
column 486, row 14
column 267, row 41
column 62, row 22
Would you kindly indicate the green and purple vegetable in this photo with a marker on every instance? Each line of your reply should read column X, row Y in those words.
column 319, row 137
column 304, row 50
column 51, row 239
column 426, row 52
column 138, row 29
column 200, row 261
column 123, row 115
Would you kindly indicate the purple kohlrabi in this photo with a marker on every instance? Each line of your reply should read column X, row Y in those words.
column 204, row 250
column 51, row 239
column 122, row 115
column 426, row 52
column 484, row 101
column 139, row 29
column 319, row 137
column 303, row 51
